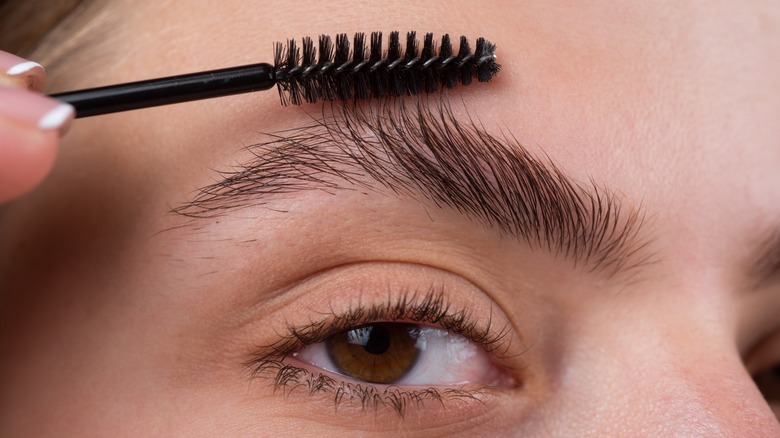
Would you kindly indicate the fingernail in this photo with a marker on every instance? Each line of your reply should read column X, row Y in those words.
column 24, row 73
column 35, row 110
column 57, row 117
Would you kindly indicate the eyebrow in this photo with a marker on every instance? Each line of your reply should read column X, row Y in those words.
column 423, row 152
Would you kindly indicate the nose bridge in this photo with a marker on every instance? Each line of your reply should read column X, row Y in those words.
column 690, row 390
column 708, row 397
column 661, row 386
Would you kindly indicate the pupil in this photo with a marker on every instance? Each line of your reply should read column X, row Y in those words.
column 378, row 339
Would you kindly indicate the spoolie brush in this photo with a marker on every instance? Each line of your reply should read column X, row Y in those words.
column 306, row 74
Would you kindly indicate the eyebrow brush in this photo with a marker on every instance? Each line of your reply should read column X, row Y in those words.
column 330, row 72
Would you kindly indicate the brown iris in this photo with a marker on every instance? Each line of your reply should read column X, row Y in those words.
column 377, row 353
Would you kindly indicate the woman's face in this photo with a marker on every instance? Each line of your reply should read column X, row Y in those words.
column 633, row 291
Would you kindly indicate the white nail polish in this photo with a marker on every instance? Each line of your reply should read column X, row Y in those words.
column 23, row 67
column 55, row 118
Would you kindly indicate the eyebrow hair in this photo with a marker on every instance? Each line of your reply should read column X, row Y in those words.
column 424, row 152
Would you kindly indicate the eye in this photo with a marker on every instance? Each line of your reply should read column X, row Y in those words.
column 393, row 350
column 768, row 383
column 402, row 354
column 764, row 365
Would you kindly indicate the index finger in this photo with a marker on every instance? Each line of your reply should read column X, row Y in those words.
column 19, row 72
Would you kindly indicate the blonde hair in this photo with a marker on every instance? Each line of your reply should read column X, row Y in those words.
column 26, row 23
column 59, row 34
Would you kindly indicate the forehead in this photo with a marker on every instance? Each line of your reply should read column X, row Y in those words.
column 657, row 102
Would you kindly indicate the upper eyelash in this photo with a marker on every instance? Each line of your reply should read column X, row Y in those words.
column 431, row 308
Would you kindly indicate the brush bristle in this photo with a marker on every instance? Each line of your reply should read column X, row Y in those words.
column 334, row 72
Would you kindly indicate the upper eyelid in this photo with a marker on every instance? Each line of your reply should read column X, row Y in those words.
column 432, row 308
column 368, row 291
column 427, row 153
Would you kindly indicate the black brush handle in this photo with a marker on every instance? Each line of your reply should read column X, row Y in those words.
column 174, row 89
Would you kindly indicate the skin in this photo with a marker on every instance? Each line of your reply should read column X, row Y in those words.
column 110, row 323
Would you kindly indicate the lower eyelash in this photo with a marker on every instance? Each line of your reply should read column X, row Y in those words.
column 287, row 378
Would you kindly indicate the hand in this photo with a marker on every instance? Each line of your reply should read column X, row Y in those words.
column 30, row 126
